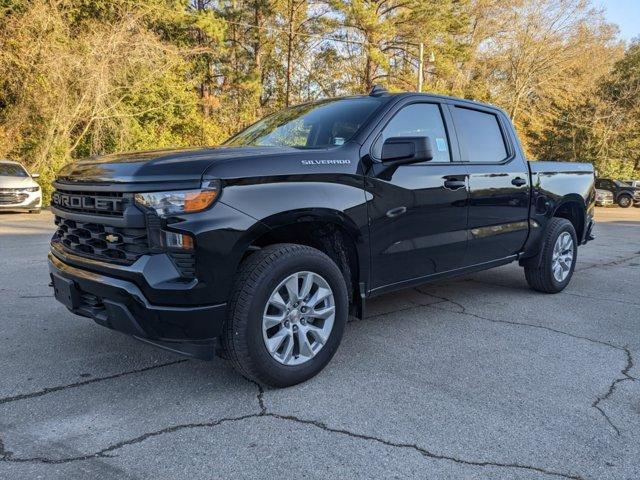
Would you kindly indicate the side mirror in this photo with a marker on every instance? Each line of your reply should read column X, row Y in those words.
column 406, row 150
column 35, row 175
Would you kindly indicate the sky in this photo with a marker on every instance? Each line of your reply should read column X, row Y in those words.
column 624, row 13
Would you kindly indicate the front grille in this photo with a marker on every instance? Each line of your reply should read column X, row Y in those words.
column 7, row 198
column 103, row 242
column 95, row 203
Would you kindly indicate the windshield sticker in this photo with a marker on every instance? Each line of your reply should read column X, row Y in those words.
column 338, row 141
column 441, row 144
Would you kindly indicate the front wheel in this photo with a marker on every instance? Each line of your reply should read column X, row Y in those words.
column 625, row 201
column 286, row 316
column 559, row 254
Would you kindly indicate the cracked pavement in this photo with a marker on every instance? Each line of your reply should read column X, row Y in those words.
column 475, row 378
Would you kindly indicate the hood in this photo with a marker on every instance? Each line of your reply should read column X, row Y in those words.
column 159, row 165
column 16, row 182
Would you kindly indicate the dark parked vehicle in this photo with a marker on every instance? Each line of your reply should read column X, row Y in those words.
column 624, row 194
column 260, row 248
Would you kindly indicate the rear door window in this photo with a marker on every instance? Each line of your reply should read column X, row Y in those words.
column 481, row 134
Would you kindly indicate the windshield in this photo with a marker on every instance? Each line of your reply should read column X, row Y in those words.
column 323, row 124
column 12, row 170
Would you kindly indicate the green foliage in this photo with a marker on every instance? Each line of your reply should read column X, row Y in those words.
column 604, row 129
column 81, row 78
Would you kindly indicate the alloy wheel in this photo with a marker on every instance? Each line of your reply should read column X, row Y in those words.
column 562, row 259
column 298, row 318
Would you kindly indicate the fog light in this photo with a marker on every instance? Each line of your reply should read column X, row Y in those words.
column 177, row 240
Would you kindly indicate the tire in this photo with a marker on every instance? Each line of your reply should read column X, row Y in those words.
column 625, row 201
column 245, row 336
column 542, row 277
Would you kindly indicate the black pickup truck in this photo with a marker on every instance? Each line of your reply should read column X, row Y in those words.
column 624, row 194
column 259, row 249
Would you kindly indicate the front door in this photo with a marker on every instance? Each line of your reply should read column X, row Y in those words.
column 418, row 212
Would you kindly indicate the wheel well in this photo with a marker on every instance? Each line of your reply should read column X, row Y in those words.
column 329, row 238
column 625, row 194
column 574, row 212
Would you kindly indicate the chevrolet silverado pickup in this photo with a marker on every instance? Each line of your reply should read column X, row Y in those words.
column 258, row 250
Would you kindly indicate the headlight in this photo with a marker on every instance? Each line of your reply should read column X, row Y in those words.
column 31, row 189
column 181, row 201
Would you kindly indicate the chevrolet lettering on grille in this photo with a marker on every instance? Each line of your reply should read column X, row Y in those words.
column 84, row 202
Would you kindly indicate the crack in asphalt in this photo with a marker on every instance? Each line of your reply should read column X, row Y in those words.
column 260, row 397
column 414, row 306
column 48, row 390
column 4, row 453
column 612, row 388
column 602, row 299
column 423, row 451
column 612, row 263
column 7, row 456
column 526, row 288
column 596, row 403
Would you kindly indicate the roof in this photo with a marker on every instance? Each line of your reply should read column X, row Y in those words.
column 443, row 97
column 379, row 92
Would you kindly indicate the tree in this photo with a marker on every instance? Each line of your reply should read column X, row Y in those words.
column 539, row 56
column 79, row 77
column 604, row 129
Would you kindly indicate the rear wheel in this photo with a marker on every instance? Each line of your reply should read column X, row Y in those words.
column 286, row 315
column 625, row 201
column 558, row 258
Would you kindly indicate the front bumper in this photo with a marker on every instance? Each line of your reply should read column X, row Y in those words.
column 120, row 305
column 20, row 201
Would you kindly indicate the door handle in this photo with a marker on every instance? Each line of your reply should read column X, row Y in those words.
column 454, row 184
column 396, row 212
column 518, row 182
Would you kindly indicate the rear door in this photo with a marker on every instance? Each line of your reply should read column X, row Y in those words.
column 499, row 183
column 417, row 213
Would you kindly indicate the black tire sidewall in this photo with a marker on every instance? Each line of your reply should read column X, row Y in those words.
column 625, row 198
column 564, row 226
column 271, row 370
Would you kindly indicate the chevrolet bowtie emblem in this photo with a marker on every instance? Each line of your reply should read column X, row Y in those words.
column 111, row 238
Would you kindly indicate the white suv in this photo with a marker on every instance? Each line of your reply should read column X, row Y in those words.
column 18, row 189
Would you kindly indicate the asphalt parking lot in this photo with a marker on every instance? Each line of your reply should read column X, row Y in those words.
column 477, row 378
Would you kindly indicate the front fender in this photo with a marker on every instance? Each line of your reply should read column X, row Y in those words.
column 280, row 201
